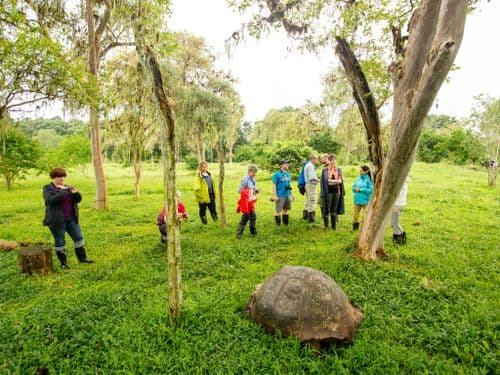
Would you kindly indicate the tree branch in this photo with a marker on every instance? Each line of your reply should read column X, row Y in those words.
column 364, row 99
column 112, row 45
column 26, row 102
column 445, row 48
column 102, row 25
column 423, row 25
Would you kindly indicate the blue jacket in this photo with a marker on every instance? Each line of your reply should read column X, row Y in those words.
column 362, row 197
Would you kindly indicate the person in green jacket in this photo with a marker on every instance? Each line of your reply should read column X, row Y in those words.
column 204, row 189
column 362, row 189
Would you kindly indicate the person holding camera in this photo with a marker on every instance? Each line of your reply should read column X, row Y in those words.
column 311, row 179
column 61, row 215
column 246, row 204
column 282, row 193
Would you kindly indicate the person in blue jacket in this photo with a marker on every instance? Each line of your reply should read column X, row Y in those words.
column 362, row 189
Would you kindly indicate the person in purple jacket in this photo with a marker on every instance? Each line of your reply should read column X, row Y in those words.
column 61, row 215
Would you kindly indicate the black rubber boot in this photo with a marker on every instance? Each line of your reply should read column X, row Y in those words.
column 278, row 220
column 305, row 215
column 214, row 218
column 355, row 226
column 61, row 255
column 403, row 235
column 253, row 231
column 239, row 231
column 285, row 219
column 334, row 221
column 312, row 217
column 399, row 239
column 82, row 256
column 325, row 221
column 204, row 220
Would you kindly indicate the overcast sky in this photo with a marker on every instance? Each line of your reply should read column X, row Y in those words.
column 272, row 77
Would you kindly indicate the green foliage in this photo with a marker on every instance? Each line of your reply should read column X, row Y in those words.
column 248, row 152
column 48, row 138
column 460, row 147
column 191, row 162
column 464, row 147
column 431, row 147
column 35, row 65
column 284, row 125
column 324, row 142
column 432, row 308
column 32, row 127
column 18, row 154
column 294, row 153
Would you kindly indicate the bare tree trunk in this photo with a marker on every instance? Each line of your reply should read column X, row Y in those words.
column 347, row 154
column 365, row 100
column 201, row 144
column 150, row 64
column 435, row 37
column 230, row 152
column 222, row 208
column 136, row 163
column 94, row 40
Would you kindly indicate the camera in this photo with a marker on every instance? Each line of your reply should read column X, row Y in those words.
column 288, row 187
column 257, row 191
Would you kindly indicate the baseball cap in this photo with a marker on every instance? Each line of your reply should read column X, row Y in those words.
column 283, row 161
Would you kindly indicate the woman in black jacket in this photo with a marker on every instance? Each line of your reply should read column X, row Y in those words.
column 61, row 215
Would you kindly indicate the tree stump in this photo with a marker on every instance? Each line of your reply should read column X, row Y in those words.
column 36, row 259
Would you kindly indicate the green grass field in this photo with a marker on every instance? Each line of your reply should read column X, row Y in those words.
column 432, row 308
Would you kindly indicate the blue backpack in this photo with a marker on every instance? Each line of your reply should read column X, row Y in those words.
column 301, row 181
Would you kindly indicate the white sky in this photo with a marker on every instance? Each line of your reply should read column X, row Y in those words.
column 271, row 77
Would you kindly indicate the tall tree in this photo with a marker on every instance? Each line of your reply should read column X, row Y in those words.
column 132, row 104
column 147, row 20
column 422, row 60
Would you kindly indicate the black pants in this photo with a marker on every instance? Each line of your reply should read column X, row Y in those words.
column 333, row 201
column 211, row 207
column 252, row 218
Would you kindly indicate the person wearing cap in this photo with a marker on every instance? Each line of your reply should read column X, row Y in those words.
column 282, row 193
column 246, row 205
column 311, row 179
column 61, row 216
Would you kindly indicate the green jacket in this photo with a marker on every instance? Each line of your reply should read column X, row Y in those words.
column 201, row 189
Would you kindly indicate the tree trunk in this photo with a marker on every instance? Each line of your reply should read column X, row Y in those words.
column 35, row 259
column 230, row 152
column 347, row 154
column 365, row 101
column 201, row 144
column 417, row 77
column 150, row 65
column 136, row 163
column 94, row 40
column 222, row 208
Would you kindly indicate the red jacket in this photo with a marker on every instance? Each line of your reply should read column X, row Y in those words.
column 245, row 204
column 181, row 210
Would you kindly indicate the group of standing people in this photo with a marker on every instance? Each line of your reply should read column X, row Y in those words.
column 61, row 202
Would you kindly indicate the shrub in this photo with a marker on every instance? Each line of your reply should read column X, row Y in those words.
column 191, row 162
column 295, row 153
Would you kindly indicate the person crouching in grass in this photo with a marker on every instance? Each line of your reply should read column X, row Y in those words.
column 161, row 220
column 282, row 193
column 61, row 216
column 246, row 204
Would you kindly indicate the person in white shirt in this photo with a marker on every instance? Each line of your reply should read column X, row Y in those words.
column 399, row 235
column 312, row 181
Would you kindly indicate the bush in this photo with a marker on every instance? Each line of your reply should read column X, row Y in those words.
column 324, row 143
column 295, row 153
column 432, row 147
column 191, row 162
column 247, row 153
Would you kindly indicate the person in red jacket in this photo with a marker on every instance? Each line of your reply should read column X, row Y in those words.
column 161, row 220
column 246, row 205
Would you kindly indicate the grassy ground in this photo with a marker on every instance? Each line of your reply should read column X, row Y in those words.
column 431, row 308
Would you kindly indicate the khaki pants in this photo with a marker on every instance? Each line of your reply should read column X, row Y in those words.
column 395, row 224
column 311, row 199
column 355, row 215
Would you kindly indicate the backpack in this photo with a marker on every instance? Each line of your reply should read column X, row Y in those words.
column 301, row 181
